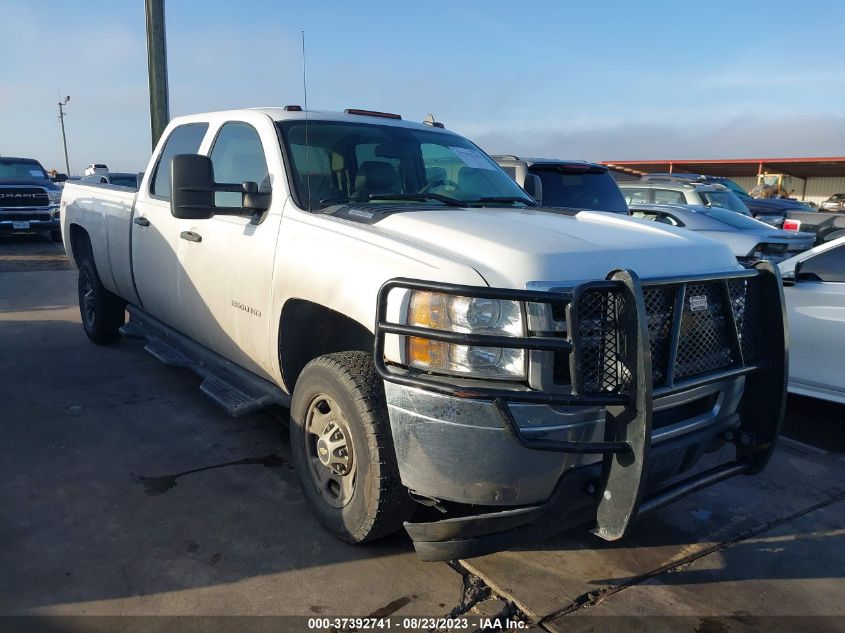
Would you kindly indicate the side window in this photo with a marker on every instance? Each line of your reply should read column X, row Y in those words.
column 654, row 216
column 635, row 196
column 238, row 156
column 667, row 196
column 185, row 139
column 827, row 266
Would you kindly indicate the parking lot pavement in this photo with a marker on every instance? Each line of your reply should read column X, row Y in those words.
column 31, row 253
column 126, row 491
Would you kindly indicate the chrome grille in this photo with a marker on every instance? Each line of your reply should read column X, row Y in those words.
column 18, row 197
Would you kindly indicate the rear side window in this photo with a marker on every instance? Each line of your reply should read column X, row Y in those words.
column 238, row 156
column 185, row 139
column 667, row 196
column 635, row 195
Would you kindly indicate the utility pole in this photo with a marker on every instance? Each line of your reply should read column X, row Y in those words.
column 62, row 104
column 157, row 68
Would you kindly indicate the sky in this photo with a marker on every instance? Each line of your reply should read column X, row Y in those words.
column 594, row 80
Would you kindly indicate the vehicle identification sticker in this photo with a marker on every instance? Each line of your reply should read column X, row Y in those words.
column 35, row 172
column 472, row 158
column 20, row 226
column 698, row 303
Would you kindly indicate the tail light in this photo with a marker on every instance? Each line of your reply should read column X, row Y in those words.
column 791, row 225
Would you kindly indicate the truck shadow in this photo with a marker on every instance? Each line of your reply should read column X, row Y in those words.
column 126, row 482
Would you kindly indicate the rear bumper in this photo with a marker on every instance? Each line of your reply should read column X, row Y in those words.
column 503, row 466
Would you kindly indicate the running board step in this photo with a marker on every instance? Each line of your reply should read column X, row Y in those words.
column 166, row 354
column 233, row 399
column 234, row 388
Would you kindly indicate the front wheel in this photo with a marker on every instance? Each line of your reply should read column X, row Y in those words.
column 56, row 236
column 102, row 312
column 342, row 448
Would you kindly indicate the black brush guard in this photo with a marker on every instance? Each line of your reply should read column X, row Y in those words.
column 617, row 372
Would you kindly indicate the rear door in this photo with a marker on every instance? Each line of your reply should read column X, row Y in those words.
column 816, row 305
column 155, row 232
column 226, row 268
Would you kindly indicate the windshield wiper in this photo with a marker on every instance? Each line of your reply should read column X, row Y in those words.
column 419, row 197
column 525, row 201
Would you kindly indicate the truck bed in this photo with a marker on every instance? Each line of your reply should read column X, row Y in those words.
column 105, row 212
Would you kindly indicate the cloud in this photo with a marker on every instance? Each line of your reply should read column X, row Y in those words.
column 742, row 137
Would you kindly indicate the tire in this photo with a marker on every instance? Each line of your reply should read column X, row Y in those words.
column 56, row 236
column 102, row 312
column 369, row 501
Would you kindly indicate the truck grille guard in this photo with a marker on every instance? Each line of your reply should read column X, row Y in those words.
column 628, row 342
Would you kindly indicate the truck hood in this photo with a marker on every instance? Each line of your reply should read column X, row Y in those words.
column 29, row 182
column 512, row 247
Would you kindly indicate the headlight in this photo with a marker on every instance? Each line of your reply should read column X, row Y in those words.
column 55, row 197
column 468, row 315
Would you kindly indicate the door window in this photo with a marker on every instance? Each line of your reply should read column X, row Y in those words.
column 827, row 266
column 185, row 139
column 635, row 195
column 238, row 156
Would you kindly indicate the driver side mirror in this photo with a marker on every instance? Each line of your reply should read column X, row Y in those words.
column 192, row 189
column 534, row 187
column 791, row 277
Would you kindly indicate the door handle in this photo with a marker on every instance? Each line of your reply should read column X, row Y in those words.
column 191, row 236
column 141, row 221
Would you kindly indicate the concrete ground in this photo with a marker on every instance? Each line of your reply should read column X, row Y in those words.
column 125, row 491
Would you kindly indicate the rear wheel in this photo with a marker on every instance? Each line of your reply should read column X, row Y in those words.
column 343, row 450
column 102, row 312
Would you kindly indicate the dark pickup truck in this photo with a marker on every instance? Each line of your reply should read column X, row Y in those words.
column 826, row 226
column 29, row 200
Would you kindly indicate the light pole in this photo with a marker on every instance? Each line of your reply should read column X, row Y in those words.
column 157, row 68
column 62, row 104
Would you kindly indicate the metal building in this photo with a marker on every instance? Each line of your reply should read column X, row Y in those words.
column 809, row 179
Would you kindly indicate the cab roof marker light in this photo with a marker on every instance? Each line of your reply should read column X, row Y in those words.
column 429, row 120
column 383, row 115
column 293, row 108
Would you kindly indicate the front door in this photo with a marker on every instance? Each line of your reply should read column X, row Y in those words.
column 816, row 306
column 227, row 265
column 155, row 232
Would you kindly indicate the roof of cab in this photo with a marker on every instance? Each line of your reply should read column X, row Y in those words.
column 542, row 161
column 278, row 113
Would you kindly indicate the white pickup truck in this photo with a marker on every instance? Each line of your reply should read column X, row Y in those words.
column 455, row 358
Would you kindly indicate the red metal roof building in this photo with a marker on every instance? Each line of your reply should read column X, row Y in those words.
column 818, row 177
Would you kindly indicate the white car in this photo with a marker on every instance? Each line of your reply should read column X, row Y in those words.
column 815, row 303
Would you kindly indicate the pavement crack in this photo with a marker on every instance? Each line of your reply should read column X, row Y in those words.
column 475, row 592
column 154, row 486
column 592, row 598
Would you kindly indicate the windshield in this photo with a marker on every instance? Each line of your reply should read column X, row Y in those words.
column 724, row 200
column 734, row 219
column 22, row 170
column 364, row 163
column 580, row 188
column 730, row 184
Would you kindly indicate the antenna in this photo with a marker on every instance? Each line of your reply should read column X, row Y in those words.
column 305, row 103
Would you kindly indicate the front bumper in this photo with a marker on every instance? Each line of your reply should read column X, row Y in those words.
column 34, row 220
column 503, row 465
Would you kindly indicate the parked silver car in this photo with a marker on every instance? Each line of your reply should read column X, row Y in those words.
column 682, row 193
column 748, row 239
